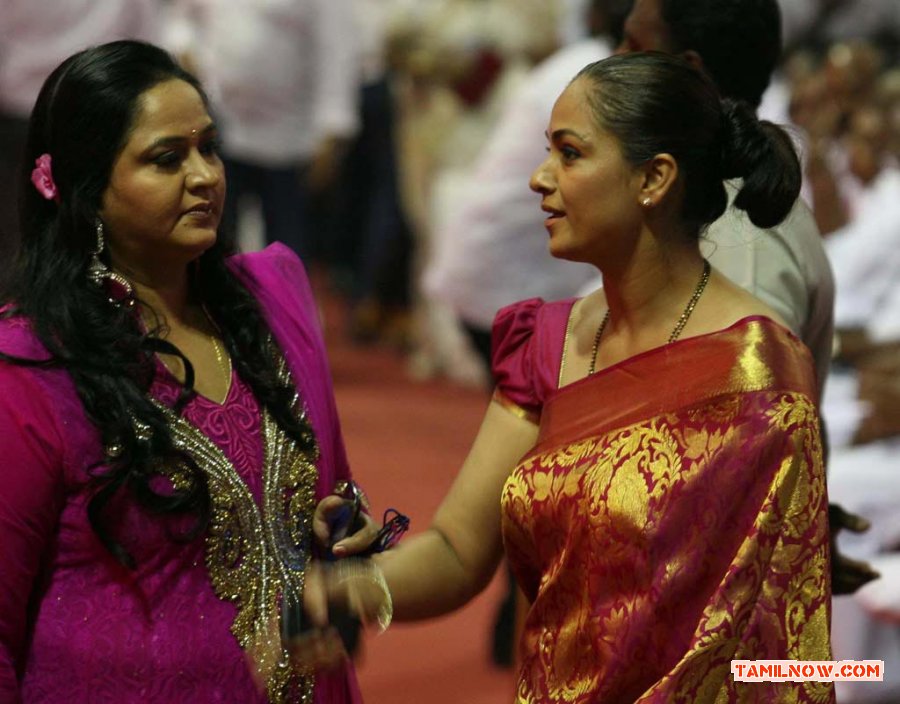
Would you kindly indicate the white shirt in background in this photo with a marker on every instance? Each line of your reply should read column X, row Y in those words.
column 283, row 74
column 784, row 266
column 36, row 35
column 372, row 18
column 492, row 249
column 866, row 252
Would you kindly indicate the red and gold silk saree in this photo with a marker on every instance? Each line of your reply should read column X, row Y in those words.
column 672, row 517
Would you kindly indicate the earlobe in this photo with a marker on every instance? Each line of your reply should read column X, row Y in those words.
column 660, row 175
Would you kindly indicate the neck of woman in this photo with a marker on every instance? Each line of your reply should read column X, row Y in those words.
column 171, row 304
column 164, row 294
column 161, row 277
column 651, row 287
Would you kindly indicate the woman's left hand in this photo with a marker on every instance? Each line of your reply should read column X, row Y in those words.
column 355, row 543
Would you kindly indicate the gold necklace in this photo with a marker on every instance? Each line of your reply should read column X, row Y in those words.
column 679, row 326
column 223, row 359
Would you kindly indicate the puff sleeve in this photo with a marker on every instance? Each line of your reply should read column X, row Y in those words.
column 514, row 359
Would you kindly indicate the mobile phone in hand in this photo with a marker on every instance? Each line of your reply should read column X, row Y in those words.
column 344, row 521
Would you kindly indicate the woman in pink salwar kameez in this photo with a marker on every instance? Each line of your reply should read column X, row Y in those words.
column 167, row 422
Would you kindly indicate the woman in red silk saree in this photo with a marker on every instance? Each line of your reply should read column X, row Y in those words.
column 671, row 518
column 661, row 483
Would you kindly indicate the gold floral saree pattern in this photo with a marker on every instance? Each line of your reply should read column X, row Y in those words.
column 683, row 526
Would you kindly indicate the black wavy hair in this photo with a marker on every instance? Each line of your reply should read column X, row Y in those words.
column 82, row 118
column 656, row 103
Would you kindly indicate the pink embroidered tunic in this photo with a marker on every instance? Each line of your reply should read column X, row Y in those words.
column 75, row 626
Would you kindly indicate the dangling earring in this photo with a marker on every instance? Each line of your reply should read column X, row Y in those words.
column 118, row 288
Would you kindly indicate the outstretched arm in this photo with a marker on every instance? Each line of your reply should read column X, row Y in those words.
column 444, row 567
column 441, row 569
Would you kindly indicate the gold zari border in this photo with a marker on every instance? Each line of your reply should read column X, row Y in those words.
column 514, row 408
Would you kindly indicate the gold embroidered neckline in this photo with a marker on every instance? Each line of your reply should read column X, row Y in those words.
column 255, row 555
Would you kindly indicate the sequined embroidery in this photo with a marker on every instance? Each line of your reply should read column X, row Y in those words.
column 257, row 555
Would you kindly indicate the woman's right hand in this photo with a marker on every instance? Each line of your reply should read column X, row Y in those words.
column 323, row 521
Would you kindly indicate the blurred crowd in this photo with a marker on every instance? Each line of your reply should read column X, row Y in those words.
column 375, row 136
column 361, row 133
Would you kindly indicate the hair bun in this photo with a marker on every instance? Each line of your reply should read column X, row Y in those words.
column 763, row 155
column 740, row 129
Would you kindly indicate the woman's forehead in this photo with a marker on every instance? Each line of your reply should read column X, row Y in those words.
column 573, row 105
column 173, row 108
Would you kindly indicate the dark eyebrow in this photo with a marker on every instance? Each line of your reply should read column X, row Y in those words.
column 170, row 141
column 565, row 132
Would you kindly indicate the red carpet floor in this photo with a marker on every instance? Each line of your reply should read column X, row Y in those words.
column 406, row 441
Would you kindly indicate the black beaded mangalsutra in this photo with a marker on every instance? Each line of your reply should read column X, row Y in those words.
column 679, row 326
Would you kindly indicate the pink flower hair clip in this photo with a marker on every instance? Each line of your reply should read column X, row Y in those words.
column 42, row 178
